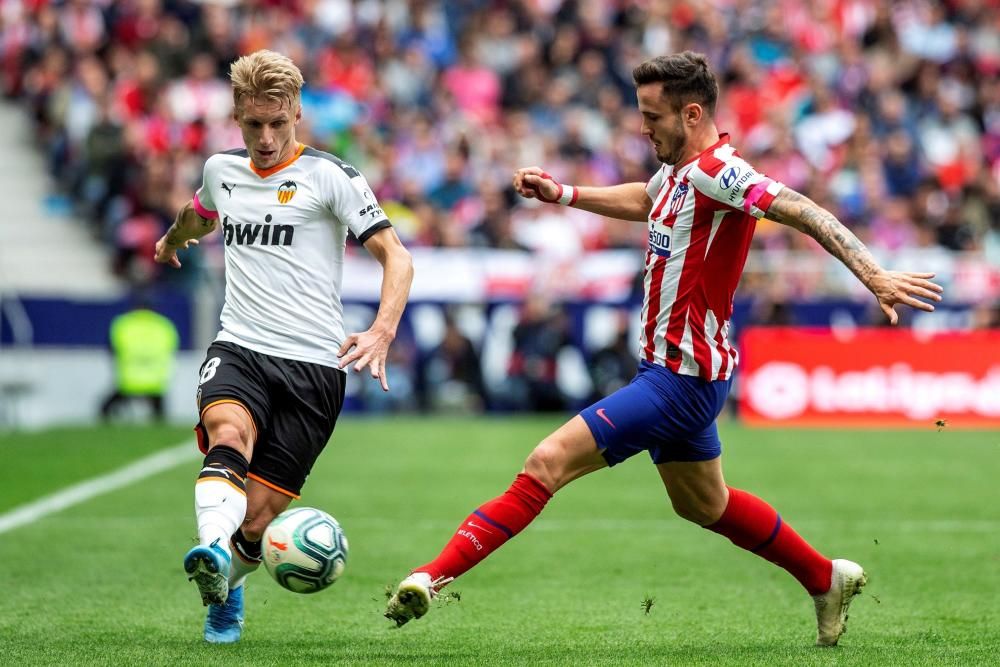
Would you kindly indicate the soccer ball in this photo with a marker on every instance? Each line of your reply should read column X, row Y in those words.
column 304, row 549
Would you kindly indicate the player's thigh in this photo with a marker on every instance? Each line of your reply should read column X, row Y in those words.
column 697, row 489
column 311, row 399
column 629, row 421
column 567, row 454
column 263, row 504
column 233, row 400
column 682, row 425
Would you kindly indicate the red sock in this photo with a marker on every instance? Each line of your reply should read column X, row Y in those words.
column 486, row 529
column 752, row 524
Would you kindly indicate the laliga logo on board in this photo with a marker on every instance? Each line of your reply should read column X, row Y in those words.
column 779, row 390
column 785, row 390
column 286, row 191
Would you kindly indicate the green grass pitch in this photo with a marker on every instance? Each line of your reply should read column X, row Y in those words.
column 101, row 582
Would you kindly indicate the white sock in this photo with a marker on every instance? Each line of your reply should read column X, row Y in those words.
column 220, row 508
column 239, row 570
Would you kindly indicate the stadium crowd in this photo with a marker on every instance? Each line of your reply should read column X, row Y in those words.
column 887, row 113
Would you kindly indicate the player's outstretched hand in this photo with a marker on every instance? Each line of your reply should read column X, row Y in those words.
column 533, row 183
column 901, row 287
column 370, row 348
column 167, row 254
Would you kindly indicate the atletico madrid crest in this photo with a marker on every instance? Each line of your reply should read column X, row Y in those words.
column 677, row 199
column 286, row 191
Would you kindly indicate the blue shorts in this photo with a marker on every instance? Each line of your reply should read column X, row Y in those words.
column 669, row 415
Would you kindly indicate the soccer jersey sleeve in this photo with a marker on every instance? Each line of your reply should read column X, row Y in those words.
column 654, row 184
column 352, row 201
column 735, row 183
column 203, row 203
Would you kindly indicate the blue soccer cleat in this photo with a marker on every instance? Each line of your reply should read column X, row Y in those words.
column 208, row 567
column 224, row 623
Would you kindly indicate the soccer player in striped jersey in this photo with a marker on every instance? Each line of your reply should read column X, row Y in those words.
column 700, row 209
column 272, row 384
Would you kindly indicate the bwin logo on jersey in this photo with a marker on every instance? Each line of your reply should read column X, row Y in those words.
column 286, row 191
column 242, row 233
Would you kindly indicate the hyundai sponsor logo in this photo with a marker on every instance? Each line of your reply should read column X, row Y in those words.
column 729, row 177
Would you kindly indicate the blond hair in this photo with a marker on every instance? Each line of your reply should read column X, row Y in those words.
column 266, row 74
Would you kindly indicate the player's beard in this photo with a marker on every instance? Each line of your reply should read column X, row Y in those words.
column 669, row 151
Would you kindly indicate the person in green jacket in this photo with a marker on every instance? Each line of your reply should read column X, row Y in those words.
column 144, row 344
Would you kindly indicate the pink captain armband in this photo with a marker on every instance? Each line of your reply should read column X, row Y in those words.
column 202, row 211
column 759, row 196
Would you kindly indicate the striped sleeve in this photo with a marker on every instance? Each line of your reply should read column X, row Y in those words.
column 732, row 181
column 654, row 184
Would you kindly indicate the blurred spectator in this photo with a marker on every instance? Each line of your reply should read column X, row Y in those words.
column 901, row 167
column 475, row 87
column 454, row 186
column 772, row 310
column 104, row 162
column 613, row 366
column 892, row 228
column 539, row 336
column 824, row 127
column 452, row 376
column 144, row 344
column 986, row 316
column 199, row 95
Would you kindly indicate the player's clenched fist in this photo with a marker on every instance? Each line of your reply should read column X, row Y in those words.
column 533, row 183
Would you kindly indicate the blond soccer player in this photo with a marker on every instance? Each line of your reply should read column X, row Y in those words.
column 272, row 383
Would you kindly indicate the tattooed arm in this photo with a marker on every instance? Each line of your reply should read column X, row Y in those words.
column 188, row 227
column 889, row 287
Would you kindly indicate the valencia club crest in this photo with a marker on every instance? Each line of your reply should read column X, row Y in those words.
column 286, row 191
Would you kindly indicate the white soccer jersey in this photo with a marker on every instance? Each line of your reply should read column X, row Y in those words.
column 285, row 230
column 703, row 217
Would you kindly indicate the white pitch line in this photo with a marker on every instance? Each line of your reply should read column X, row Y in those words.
column 78, row 493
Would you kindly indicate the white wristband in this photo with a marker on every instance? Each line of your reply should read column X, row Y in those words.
column 568, row 195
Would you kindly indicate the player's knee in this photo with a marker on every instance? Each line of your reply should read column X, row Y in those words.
column 253, row 527
column 233, row 434
column 253, row 534
column 258, row 517
column 697, row 510
column 544, row 464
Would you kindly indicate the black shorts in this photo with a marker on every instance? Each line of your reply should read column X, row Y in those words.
column 294, row 406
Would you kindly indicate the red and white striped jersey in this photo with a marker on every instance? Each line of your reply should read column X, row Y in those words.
column 703, row 217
